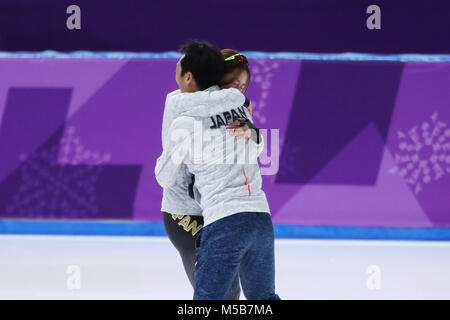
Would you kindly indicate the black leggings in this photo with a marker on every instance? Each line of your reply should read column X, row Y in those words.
column 183, row 231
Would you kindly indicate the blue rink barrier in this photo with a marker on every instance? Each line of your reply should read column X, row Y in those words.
column 250, row 54
column 120, row 228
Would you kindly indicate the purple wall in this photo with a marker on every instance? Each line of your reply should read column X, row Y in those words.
column 407, row 26
column 363, row 143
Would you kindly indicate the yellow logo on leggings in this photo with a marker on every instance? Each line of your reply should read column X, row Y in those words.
column 185, row 222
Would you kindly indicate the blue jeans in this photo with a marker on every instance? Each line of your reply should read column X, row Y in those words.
column 242, row 244
column 184, row 241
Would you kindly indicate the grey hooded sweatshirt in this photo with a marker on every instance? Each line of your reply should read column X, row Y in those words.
column 226, row 171
column 176, row 199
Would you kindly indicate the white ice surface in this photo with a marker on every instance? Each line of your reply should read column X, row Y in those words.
column 35, row 267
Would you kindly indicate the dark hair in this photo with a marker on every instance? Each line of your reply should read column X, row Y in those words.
column 236, row 64
column 204, row 61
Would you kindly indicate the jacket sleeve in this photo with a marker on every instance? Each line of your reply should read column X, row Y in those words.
column 260, row 143
column 258, row 140
column 256, row 137
column 177, row 151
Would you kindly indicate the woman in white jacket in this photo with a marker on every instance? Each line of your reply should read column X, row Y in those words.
column 183, row 218
column 238, row 236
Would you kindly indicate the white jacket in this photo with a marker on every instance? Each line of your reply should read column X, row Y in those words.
column 176, row 199
column 226, row 171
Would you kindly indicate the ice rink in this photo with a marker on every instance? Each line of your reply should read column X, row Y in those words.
column 94, row 267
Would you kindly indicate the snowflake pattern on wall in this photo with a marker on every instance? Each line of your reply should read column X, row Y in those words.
column 59, row 188
column 262, row 73
column 290, row 159
column 424, row 153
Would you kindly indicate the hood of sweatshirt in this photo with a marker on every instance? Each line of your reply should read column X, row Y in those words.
column 207, row 102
